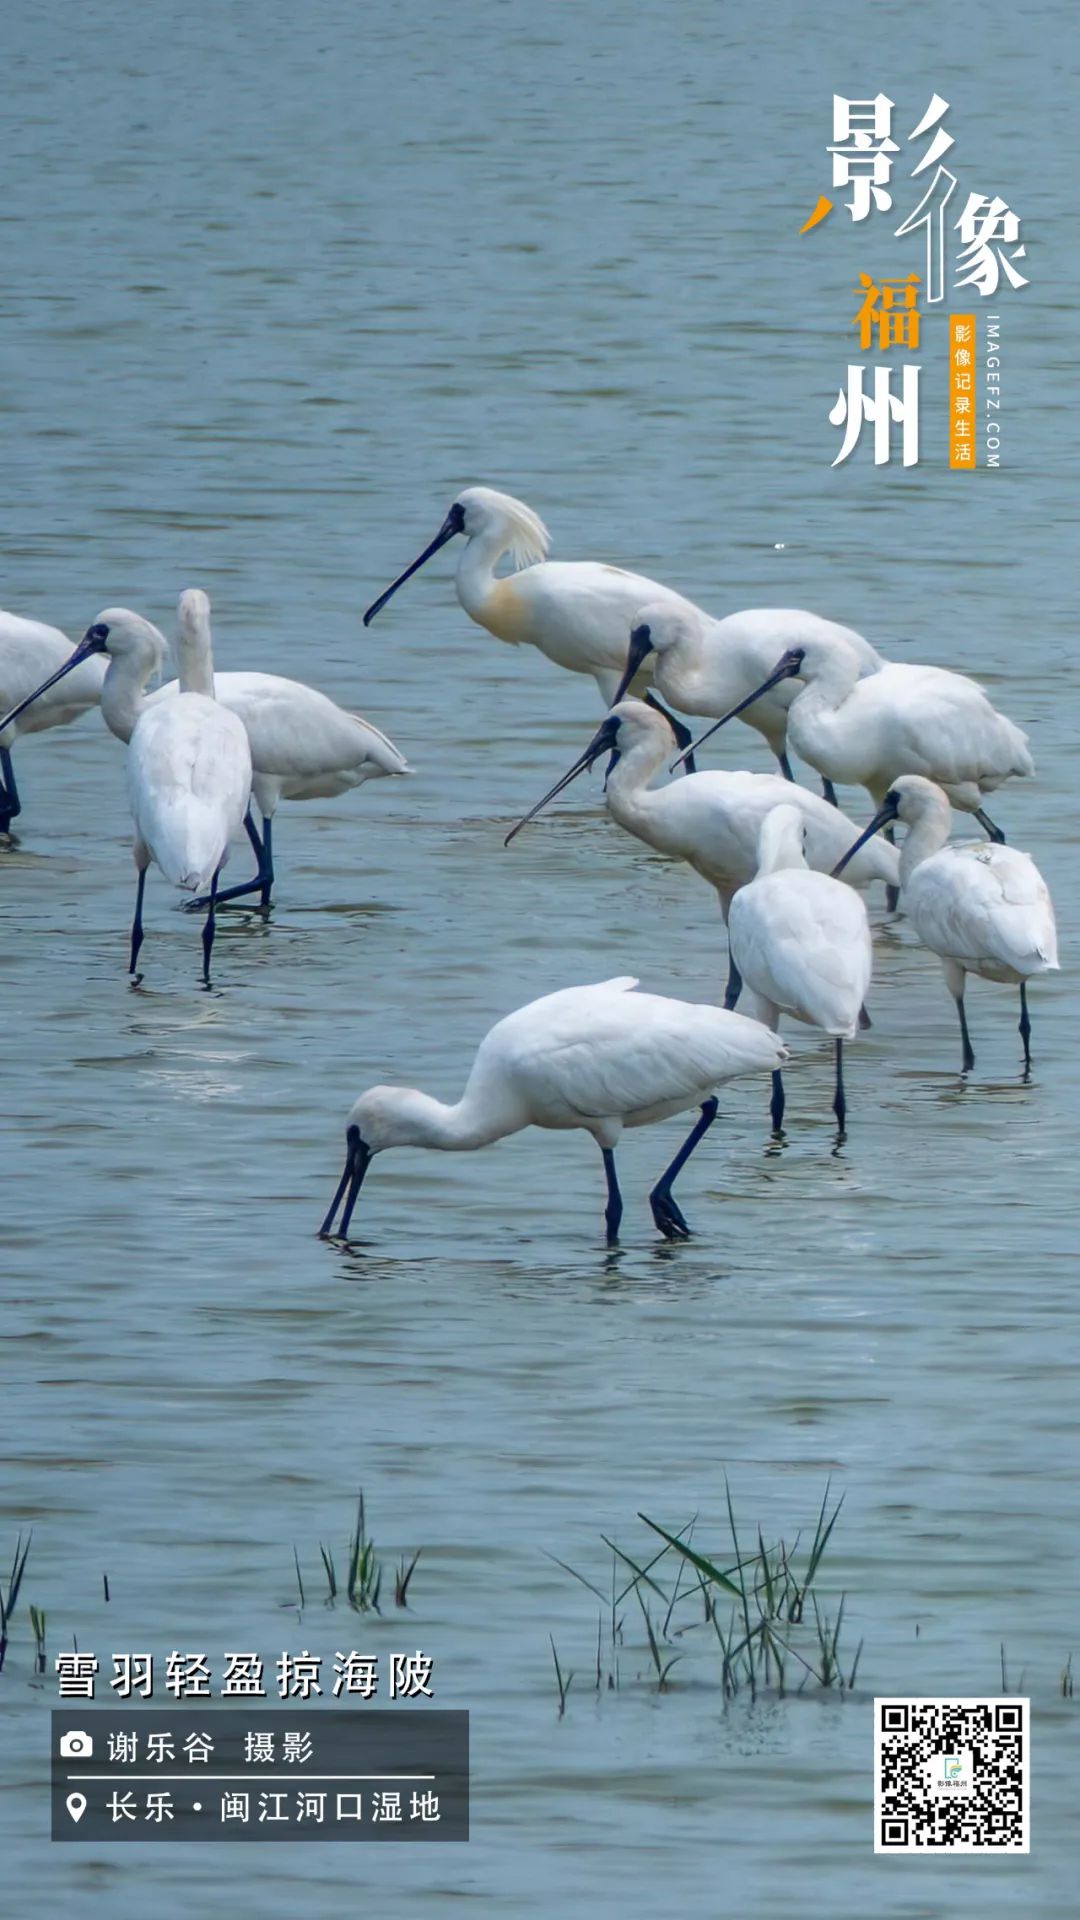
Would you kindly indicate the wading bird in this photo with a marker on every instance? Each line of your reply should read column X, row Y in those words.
column 600, row 1058
column 31, row 653
column 901, row 719
column 713, row 819
column 981, row 907
column 704, row 666
column 188, row 764
column 303, row 746
column 801, row 942
column 578, row 612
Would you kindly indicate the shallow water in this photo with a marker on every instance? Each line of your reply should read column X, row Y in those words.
column 275, row 286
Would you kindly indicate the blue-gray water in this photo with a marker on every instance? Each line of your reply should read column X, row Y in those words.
column 276, row 283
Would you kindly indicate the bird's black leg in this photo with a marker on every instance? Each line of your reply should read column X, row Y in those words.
column 267, row 869
column 776, row 1105
column 992, row 833
column 785, row 765
column 829, row 791
column 137, row 925
column 10, row 804
column 263, row 880
column 209, row 929
column 1025, row 1029
column 969, row 1057
column 892, row 894
column 839, row 1102
column 665, row 1209
column 613, row 1210
column 734, row 984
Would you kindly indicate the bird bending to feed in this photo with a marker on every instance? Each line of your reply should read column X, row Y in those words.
column 600, row 1058
column 981, row 907
column 303, row 746
column 801, row 942
column 578, row 612
column 188, row 764
column 705, row 666
column 711, row 819
column 31, row 653
column 901, row 719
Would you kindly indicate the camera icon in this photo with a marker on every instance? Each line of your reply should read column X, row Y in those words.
column 76, row 1746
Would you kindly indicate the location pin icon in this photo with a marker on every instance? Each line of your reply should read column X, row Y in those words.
column 76, row 1805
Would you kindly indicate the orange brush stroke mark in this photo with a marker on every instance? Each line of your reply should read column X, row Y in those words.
column 823, row 207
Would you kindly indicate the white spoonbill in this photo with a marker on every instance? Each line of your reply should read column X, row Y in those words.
column 981, row 907
column 578, row 612
column 711, row 819
column 600, row 1058
column 188, row 764
column 801, row 941
column 901, row 719
column 30, row 653
column 303, row 746
column 705, row 666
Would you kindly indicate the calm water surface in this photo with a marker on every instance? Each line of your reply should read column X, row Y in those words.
column 276, row 284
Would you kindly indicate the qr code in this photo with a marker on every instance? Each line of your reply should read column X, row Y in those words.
column 951, row 1775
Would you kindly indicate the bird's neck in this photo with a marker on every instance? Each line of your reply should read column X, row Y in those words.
column 195, row 659
column 630, row 797
column 423, row 1121
column 476, row 581
column 926, row 836
column 123, row 695
column 830, row 683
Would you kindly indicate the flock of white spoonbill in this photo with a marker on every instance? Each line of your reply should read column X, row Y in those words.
column 789, row 867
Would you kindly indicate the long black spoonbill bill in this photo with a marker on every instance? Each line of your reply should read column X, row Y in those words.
column 982, row 907
column 600, row 1058
column 577, row 612
column 704, row 666
column 712, row 819
column 801, row 941
column 31, row 653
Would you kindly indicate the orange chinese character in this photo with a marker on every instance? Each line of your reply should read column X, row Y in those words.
column 896, row 326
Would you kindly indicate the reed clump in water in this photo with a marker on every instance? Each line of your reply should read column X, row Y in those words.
column 362, row 1583
column 760, row 1605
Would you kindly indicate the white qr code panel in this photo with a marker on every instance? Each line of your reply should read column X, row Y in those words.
column 951, row 1776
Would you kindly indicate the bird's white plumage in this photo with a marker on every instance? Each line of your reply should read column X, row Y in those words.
column 902, row 719
column 987, row 907
column 606, row 1056
column 30, row 652
column 189, row 782
column 705, row 666
column 800, row 940
column 713, row 820
column 303, row 745
column 983, row 908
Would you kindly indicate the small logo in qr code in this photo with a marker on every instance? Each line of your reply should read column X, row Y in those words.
column 951, row 1776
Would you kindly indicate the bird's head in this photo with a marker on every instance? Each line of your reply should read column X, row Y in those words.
column 629, row 725
column 909, row 799
column 382, row 1117
column 655, row 630
column 480, row 513
column 115, row 632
